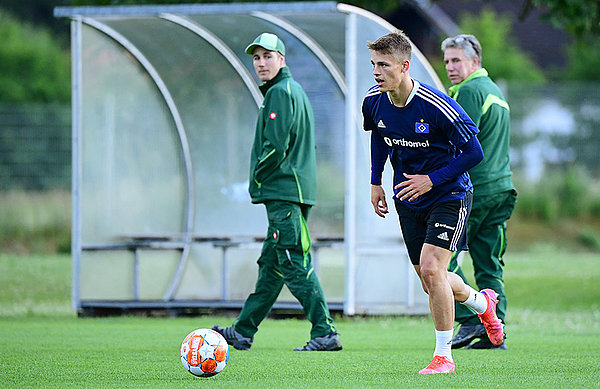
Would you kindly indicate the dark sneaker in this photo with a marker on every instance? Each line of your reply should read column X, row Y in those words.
column 234, row 338
column 485, row 344
column 330, row 342
column 467, row 333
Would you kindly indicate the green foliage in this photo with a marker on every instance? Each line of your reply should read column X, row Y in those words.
column 578, row 17
column 536, row 205
column 590, row 238
column 572, row 194
column 583, row 60
column 502, row 56
column 34, row 66
column 40, row 13
column 559, row 195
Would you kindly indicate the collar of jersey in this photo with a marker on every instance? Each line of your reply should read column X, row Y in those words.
column 284, row 72
column 453, row 90
column 413, row 92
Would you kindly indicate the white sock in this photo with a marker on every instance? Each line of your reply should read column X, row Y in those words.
column 443, row 344
column 476, row 300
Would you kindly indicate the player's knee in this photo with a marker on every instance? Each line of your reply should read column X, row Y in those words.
column 430, row 275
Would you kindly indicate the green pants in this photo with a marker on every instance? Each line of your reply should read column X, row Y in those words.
column 486, row 236
column 285, row 259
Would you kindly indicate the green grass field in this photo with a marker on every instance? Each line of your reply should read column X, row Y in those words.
column 553, row 337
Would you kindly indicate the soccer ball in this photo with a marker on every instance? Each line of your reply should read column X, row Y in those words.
column 204, row 352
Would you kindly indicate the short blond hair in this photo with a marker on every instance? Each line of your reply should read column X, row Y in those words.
column 395, row 43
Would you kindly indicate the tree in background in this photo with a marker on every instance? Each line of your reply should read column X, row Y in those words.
column 35, row 69
column 34, row 66
column 578, row 17
column 581, row 18
column 583, row 60
column 39, row 13
column 502, row 56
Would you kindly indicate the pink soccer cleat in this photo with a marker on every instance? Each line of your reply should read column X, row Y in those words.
column 493, row 325
column 439, row 365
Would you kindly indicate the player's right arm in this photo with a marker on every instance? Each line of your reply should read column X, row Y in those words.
column 378, row 200
column 379, row 156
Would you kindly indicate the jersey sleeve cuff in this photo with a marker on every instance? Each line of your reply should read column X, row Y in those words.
column 375, row 179
column 435, row 178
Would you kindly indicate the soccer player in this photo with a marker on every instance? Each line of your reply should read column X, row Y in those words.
column 431, row 144
column 494, row 195
column 283, row 178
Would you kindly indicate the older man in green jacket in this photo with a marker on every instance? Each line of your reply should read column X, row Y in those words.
column 494, row 195
column 283, row 178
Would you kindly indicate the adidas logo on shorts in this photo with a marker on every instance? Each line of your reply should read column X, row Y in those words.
column 443, row 236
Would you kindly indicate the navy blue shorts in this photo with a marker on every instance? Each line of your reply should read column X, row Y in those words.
column 443, row 225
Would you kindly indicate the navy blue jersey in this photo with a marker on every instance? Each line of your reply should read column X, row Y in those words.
column 423, row 137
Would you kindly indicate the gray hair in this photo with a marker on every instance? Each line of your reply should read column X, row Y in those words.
column 467, row 42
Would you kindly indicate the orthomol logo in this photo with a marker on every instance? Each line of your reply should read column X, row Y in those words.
column 405, row 143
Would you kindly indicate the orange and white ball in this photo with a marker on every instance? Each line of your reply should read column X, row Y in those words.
column 204, row 352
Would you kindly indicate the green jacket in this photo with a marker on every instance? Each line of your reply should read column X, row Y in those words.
column 283, row 161
column 483, row 101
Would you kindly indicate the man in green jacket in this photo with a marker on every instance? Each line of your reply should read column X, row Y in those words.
column 494, row 195
column 283, row 177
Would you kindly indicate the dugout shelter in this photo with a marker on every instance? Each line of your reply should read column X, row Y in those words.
column 164, row 108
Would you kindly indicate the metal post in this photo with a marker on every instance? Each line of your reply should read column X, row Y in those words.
column 136, row 274
column 224, row 276
column 350, row 192
column 76, row 75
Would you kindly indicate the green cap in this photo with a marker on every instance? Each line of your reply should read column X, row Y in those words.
column 267, row 41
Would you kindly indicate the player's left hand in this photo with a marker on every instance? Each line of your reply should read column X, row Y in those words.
column 414, row 186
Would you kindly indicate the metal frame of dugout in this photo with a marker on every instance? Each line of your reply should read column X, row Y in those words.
column 134, row 244
column 164, row 104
